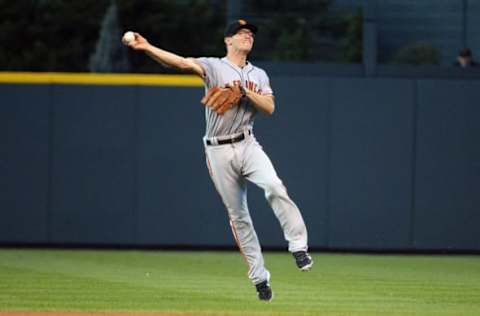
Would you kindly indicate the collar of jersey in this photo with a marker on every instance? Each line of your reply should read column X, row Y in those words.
column 247, row 66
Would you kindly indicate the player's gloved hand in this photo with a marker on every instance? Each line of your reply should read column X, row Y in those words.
column 221, row 100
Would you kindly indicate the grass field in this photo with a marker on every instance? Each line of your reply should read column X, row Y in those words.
column 215, row 283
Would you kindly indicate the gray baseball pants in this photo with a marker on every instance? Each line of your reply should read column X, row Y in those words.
column 230, row 165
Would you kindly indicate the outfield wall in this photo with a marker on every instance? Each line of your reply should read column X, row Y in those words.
column 372, row 163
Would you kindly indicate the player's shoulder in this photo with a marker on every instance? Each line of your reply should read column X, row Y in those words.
column 210, row 60
column 258, row 69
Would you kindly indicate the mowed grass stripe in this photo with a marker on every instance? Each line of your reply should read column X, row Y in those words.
column 168, row 294
column 209, row 282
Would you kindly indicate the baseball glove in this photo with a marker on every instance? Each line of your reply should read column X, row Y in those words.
column 221, row 100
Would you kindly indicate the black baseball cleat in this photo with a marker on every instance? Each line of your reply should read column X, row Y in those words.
column 303, row 260
column 264, row 291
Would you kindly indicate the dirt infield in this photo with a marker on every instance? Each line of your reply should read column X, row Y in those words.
column 96, row 314
column 86, row 314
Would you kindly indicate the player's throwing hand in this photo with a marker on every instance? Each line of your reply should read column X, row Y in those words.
column 137, row 43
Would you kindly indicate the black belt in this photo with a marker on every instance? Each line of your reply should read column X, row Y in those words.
column 229, row 140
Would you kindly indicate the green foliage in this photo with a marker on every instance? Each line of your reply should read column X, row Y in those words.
column 62, row 35
column 353, row 46
column 420, row 53
column 304, row 31
column 286, row 28
column 292, row 39
column 188, row 28
column 53, row 35
column 293, row 44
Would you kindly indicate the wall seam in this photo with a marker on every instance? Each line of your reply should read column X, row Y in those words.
column 413, row 164
column 51, row 138
column 328, row 162
column 135, row 154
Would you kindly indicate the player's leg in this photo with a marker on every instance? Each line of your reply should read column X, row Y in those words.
column 232, row 188
column 259, row 170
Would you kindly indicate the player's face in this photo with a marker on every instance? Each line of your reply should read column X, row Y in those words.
column 464, row 61
column 243, row 39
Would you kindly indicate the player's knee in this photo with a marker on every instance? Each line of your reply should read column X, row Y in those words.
column 275, row 189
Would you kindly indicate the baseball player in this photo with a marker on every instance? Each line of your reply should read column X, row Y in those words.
column 235, row 91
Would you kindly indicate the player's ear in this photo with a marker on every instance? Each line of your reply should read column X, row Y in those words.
column 227, row 40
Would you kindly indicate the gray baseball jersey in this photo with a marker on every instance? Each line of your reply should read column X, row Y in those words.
column 220, row 72
column 232, row 164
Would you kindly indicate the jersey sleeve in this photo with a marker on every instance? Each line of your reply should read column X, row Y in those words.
column 209, row 70
column 265, row 87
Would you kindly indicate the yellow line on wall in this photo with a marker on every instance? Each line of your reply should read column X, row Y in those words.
column 99, row 79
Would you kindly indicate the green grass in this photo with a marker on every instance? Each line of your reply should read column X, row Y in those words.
column 216, row 283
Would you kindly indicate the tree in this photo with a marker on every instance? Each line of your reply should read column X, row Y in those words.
column 353, row 40
column 189, row 28
column 419, row 53
column 53, row 35
column 294, row 40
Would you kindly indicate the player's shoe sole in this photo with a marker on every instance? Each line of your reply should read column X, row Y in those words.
column 270, row 299
column 307, row 267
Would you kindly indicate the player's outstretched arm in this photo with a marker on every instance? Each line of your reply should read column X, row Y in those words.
column 164, row 57
column 264, row 103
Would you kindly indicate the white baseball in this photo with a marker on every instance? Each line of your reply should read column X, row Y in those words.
column 128, row 37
